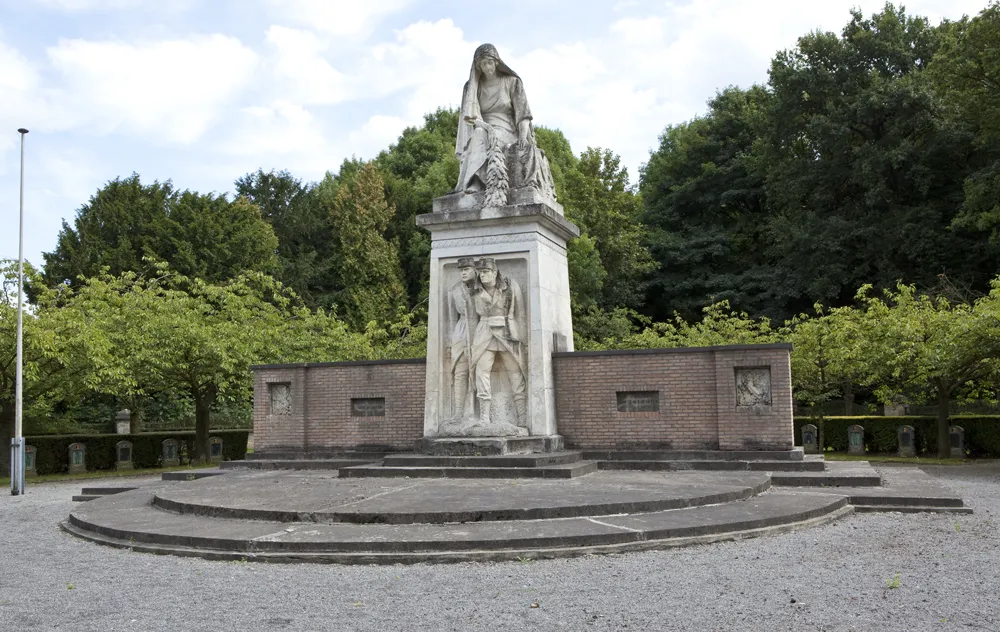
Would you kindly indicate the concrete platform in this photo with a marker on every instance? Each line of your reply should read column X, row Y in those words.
column 318, row 516
column 297, row 497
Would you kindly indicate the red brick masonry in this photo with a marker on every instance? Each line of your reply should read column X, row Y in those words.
column 696, row 390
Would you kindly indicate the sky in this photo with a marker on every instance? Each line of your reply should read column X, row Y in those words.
column 201, row 92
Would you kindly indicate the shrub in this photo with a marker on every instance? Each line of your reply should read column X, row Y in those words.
column 52, row 451
column 982, row 433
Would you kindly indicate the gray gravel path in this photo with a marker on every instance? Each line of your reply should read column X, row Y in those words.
column 828, row 578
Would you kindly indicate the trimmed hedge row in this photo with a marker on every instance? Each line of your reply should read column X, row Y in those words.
column 982, row 433
column 52, row 451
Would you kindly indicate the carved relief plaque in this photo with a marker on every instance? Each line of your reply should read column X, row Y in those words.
column 753, row 387
column 281, row 398
column 484, row 339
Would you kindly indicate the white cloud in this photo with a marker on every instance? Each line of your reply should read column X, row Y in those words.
column 352, row 19
column 18, row 81
column 375, row 135
column 301, row 71
column 81, row 6
column 170, row 90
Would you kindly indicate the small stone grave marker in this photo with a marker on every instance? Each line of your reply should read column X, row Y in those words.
column 810, row 439
column 29, row 461
column 956, row 434
column 905, row 439
column 122, row 422
column 171, row 453
column 856, row 440
column 123, row 452
column 215, row 449
column 77, row 458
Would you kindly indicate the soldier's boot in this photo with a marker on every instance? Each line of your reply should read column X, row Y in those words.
column 484, row 411
column 521, row 404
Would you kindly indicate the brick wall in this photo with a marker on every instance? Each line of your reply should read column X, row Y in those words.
column 697, row 399
column 696, row 390
column 320, row 417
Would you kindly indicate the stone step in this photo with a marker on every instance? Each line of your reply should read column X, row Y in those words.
column 566, row 470
column 318, row 455
column 526, row 460
column 104, row 491
column 713, row 465
column 190, row 475
column 82, row 498
column 129, row 521
column 911, row 509
column 795, row 454
column 864, row 478
column 294, row 464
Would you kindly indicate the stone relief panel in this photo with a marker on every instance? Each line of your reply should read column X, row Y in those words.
column 484, row 346
column 281, row 398
column 753, row 387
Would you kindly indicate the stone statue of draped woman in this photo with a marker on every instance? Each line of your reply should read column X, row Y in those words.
column 496, row 140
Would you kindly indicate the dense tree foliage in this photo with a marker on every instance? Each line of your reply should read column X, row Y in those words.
column 851, row 166
column 201, row 235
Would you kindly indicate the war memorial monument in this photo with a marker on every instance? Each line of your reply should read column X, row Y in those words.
column 504, row 443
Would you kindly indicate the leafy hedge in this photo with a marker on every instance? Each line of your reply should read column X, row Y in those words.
column 52, row 451
column 982, row 433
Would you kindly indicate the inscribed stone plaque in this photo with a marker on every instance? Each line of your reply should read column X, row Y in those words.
column 281, row 398
column 368, row 407
column 124, row 452
column 856, row 440
column 77, row 458
column 170, row 456
column 215, row 449
column 904, row 436
column 957, row 436
column 638, row 401
column 753, row 387
column 810, row 439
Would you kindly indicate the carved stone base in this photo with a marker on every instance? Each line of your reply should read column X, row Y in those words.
column 461, row 201
column 476, row 428
column 489, row 446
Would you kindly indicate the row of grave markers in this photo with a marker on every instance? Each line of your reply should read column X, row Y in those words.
column 904, row 437
column 123, row 452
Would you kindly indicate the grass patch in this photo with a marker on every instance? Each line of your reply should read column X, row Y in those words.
column 101, row 474
column 888, row 458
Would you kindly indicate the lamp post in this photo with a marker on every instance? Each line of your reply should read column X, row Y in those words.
column 17, row 443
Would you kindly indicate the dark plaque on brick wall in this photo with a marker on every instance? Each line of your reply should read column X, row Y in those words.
column 638, row 401
column 368, row 407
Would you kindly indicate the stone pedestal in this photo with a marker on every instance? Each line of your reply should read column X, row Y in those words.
column 489, row 446
column 527, row 241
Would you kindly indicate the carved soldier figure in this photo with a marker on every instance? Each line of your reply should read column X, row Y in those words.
column 499, row 306
column 460, row 310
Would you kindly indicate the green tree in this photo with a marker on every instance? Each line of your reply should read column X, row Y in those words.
column 931, row 348
column 966, row 72
column 60, row 353
column 366, row 262
column 304, row 232
column 168, row 333
column 864, row 174
column 705, row 210
column 599, row 199
column 200, row 235
column 419, row 167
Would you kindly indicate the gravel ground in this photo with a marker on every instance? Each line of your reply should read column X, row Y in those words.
column 834, row 577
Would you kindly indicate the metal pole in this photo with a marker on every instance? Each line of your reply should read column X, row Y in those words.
column 17, row 443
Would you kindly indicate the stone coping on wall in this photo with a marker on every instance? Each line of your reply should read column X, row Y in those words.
column 623, row 352
column 558, row 354
column 313, row 365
